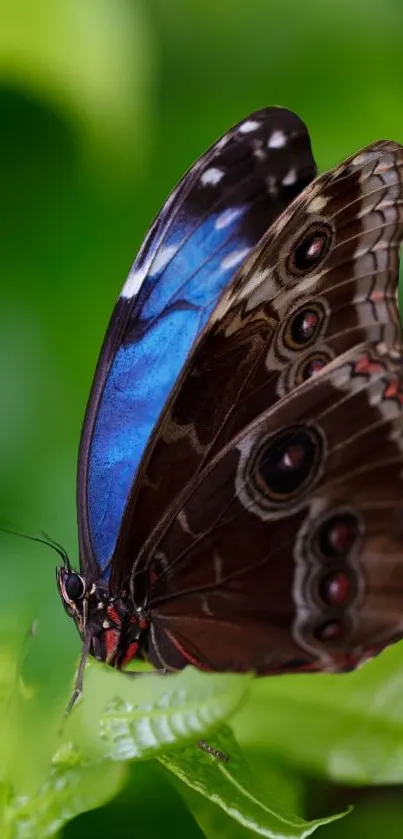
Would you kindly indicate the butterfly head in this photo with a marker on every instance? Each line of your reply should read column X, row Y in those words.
column 109, row 629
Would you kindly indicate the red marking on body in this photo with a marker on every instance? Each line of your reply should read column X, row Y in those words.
column 140, row 622
column 130, row 653
column 113, row 615
column 111, row 640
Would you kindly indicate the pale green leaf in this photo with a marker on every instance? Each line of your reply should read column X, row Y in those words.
column 140, row 717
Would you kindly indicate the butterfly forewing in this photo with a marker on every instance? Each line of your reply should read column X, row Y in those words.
column 207, row 227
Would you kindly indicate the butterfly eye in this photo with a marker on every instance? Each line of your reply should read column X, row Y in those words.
column 74, row 586
column 288, row 462
column 310, row 249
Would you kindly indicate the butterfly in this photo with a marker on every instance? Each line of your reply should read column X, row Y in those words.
column 240, row 494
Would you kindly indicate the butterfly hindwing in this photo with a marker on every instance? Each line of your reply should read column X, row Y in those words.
column 289, row 547
column 205, row 230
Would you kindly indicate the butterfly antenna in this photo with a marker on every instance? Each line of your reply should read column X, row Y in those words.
column 43, row 539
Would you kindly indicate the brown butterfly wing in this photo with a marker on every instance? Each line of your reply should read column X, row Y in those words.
column 288, row 551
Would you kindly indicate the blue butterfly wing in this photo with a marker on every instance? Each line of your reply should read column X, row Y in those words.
column 207, row 227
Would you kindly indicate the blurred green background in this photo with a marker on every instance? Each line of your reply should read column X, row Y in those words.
column 103, row 105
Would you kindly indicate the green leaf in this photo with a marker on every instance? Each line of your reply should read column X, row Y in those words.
column 232, row 787
column 74, row 786
column 347, row 727
column 148, row 713
column 135, row 718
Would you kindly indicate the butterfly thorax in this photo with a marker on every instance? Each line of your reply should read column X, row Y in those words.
column 115, row 630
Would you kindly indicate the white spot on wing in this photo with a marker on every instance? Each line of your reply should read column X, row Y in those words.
column 310, row 285
column 317, row 204
column 277, row 140
column 248, row 125
column 263, row 291
column 163, row 256
column 234, row 258
column 211, row 176
column 133, row 283
column 359, row 160
column 137, row 275
column 227, row 217
column 253, row 282
column 221, row 308
column 290, row 178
